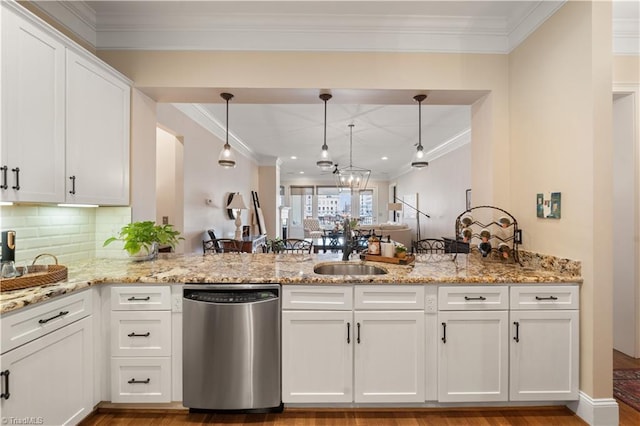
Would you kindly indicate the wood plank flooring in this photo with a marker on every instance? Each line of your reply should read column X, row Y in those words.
column 530, row 416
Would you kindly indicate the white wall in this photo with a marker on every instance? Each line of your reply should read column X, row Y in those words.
column 204, row 179
column 626, row 286
column 441, row 189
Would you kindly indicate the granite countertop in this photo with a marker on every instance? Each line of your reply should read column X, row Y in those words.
column 293, row 269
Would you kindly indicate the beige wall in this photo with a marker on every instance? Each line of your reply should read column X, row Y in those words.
column 560, row 106
column 543, row 126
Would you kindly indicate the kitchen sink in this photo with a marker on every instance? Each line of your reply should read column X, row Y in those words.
column 339, row 268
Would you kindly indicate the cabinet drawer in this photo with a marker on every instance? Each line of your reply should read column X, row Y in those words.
column 473, row 298
column 141, row 379
column 140, row 298
column 141, row 333
column 393, row 297
column 30, row 323
column 545, row 297
column 328, row 298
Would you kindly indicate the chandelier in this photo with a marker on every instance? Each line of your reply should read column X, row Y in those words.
column 352, row 177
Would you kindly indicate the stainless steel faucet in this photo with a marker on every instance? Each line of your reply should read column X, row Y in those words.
column 347, row 246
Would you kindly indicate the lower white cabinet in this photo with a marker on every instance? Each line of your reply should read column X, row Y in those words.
column 372, row 355
column 473, row 353
column 544, row 347
column 50, row 379
column 317, row 356
column 473, row 356
column 140, row 343
column 389, row 356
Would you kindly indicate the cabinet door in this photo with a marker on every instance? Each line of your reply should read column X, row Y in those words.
column 389, row 356
column 97, row 134
column 51, row 378
column 473, row 356
column 544, row 355
column 317, row 356
column 33, row 149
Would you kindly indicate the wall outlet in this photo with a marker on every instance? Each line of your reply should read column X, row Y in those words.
column 165, row 220
column 176, row 303
column 431, row 303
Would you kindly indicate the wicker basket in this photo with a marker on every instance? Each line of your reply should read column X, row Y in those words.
column 37, row 275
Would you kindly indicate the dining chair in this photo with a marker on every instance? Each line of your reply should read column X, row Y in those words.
column 428, row 246
column 221, row 245
column 296, row 245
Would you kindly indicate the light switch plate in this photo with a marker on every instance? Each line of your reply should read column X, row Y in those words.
column 176, row 303
column 431, row 304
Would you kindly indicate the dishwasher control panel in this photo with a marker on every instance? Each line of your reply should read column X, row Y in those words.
column 231, row 296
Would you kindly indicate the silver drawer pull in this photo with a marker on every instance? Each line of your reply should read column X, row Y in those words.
column 143, row 299
column 475, row 298
column 546, row 298
column 134, row 381
column 61, row 314
column 147, row 334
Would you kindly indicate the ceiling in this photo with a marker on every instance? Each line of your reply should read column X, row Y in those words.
column 280, row 124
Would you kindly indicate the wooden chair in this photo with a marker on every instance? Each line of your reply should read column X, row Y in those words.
column 295, row 245
column 428, row 246
column 221, row 245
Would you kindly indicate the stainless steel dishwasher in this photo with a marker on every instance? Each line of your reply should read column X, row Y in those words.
column 231, row 347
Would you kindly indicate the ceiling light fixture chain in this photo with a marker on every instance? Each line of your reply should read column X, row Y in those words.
column 355, row 178
column 419, row 161
column 325, row 161
column 227, row 158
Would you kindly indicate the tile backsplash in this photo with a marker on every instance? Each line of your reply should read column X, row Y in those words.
column 69, row 233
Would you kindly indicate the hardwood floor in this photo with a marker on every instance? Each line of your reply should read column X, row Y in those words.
column 628, row 416
column 530, row 416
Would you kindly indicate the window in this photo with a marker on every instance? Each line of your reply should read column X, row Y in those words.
column 333, row 205
column 366, row 207
column 301, row 204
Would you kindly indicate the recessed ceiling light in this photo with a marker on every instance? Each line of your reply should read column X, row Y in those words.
column 385, row 158
column 301, row 173
column 293, row 157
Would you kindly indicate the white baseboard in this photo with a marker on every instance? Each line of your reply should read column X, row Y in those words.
column 596, row 412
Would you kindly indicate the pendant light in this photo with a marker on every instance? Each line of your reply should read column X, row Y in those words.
column 325, row 161
column 227, row 158
column 352, row 177
column 418, row 158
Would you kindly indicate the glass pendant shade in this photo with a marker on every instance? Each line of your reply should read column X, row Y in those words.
column 419, row 161
column 325, row 162
column 227, row 158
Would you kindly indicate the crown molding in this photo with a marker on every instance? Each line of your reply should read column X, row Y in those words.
column 203, row 117
column 76, row 16
column 531, row 21
column 626, row 36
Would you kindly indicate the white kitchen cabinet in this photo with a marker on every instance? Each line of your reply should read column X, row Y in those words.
column 317, row 356
column 374, row 354
column 50, row 379
column 473, row 354
column 389, row 356
column 141, row 346
column 32, row 168
column 97, row 126
column 544, row 347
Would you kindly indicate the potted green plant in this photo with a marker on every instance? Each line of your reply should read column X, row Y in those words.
column 275, row 245
column 142, row 239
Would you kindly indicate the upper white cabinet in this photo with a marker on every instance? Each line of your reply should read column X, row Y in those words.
column 97, row 134
column 33, row 105
column 65, row 118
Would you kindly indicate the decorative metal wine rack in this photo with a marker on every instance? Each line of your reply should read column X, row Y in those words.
column 509, row 225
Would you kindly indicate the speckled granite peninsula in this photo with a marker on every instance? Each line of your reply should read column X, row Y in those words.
column 293, row 269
